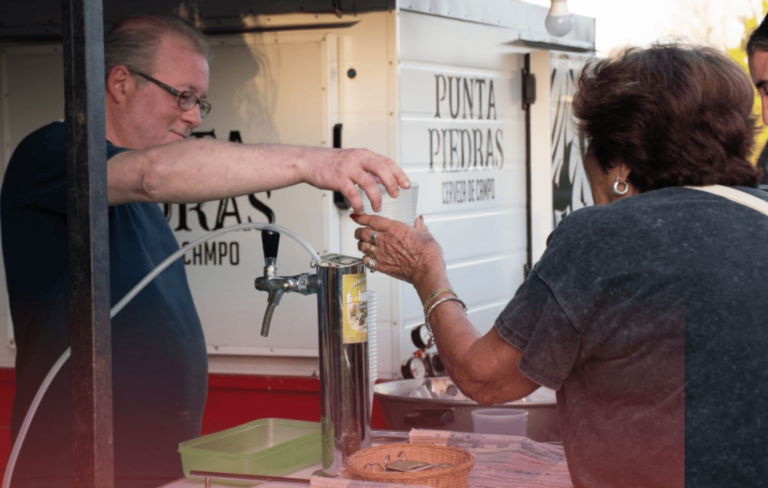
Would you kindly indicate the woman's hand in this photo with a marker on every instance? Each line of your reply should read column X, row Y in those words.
column 407, row 253
column 484, row 368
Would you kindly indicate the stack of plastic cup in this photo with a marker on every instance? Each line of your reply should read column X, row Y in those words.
column 403, row 208
column 500, row 421
column 373, row 362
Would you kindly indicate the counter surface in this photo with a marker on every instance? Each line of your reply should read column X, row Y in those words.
column 501, row 462
column 305, row 473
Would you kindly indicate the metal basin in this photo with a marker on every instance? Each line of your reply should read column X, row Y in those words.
column 404, row 412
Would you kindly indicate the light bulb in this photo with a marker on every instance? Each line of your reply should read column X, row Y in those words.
column 559, row 21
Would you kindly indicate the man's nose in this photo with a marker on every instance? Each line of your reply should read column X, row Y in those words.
column 192, row 116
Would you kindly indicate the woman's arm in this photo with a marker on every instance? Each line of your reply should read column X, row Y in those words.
column 483, row 367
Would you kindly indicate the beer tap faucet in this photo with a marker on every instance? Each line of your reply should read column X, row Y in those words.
column 340, row 285
column 275, row 285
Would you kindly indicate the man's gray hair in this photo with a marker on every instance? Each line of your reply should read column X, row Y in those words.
column 133, row 41
column 758, row 40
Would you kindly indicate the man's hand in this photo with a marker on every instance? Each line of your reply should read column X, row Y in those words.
column 344, row 170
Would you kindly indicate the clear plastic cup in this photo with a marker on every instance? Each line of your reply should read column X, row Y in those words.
column 500, row 421
column 403, row 208
column 373, row 361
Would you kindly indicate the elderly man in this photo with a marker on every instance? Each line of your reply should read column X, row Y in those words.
column 156, row 86
column 757, row 52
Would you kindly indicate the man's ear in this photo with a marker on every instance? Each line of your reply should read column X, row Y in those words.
column 120, row 84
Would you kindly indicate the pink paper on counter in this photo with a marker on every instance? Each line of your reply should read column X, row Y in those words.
column 505, row 461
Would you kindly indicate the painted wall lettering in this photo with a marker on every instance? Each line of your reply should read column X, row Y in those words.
column 466, row 149
column 213, row 253
column 462, row 191
column 457, row 149
column 462, row 95
column 200, row 216
column 187, row 215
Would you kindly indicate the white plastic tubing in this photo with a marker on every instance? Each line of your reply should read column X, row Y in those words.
column 119, row 306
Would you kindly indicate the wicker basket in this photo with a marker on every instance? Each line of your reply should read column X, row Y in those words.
column 358, row 466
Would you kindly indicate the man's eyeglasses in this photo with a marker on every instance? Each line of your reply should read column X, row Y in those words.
column 186, row 100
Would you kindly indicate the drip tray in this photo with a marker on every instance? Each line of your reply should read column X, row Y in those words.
column 269, row 447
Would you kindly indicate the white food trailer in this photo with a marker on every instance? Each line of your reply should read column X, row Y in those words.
column 470, row 98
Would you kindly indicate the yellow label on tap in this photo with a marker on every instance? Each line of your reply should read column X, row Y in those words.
column 355, row 309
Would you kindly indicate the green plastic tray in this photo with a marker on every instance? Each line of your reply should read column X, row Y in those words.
column 270, row 447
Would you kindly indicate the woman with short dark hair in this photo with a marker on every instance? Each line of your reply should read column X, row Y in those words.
column 639, row 306
column 675, row 116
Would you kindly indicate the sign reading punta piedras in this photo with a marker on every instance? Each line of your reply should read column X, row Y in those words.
column 472, row 148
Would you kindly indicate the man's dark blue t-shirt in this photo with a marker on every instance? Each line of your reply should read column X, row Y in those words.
column 158, row 350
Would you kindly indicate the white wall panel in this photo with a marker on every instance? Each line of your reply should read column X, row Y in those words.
column 449, row 42
column 462, row 137
column 475, row 237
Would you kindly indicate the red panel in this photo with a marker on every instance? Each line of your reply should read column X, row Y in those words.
column 235, row 400
column 232, row 400
column 377, row 418
column 7, row 391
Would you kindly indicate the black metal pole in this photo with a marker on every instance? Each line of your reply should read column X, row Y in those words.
column 529, row 98
column 89, row 294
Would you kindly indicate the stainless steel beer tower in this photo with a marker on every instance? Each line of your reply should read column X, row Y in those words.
column 345, row 414
column 340, row 284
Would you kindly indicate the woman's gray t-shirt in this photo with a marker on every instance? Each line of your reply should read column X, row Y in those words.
column 647, row 315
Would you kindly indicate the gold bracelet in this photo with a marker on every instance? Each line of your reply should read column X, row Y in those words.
column 435, row 294
column 431, row 339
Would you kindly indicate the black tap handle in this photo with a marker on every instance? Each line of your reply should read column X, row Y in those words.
column 270, row 240
column 338, row 199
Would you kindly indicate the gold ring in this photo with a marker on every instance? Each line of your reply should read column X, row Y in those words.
column 373, row 249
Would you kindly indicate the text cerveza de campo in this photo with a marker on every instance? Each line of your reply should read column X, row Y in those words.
column 469, row 190
column 465, row 149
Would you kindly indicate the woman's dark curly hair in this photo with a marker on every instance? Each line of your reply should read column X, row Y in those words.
column 674, row 114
